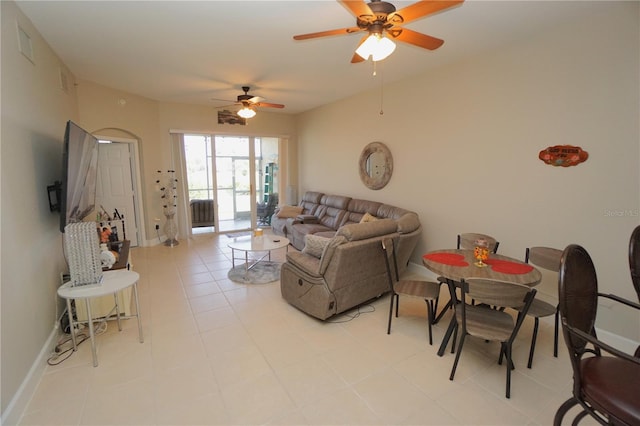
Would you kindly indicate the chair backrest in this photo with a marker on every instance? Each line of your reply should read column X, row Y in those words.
column 578, row 297
column 548, row 260
column 468, row 240
column 544, row 257
column 389, row 253
column 634, row 259
column 497, row 293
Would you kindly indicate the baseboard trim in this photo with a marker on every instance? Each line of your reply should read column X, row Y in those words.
column 20, row 400
column 622, row 343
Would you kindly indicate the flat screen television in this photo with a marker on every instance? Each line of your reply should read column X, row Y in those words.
column 79, row 175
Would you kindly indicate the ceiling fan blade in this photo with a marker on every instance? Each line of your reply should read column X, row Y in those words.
column 221, row 100
column 255, row 99
column 357, row 58
column 340, row 31
column 268, row 105
column 226, row 106
column 419, row 10
column 415, row 38
column 357, row 7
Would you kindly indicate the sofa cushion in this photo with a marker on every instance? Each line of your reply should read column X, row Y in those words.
column 314, row 245
column 326, row 234
column 361, row 231
column 368, row 217
column 312, row 197
column 358, row 208
column 327, row 255
column 338, row 201
column 289, row 211
column 310, row 202
column 332, row 217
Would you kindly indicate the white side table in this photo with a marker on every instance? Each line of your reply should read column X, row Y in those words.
column 112, row 283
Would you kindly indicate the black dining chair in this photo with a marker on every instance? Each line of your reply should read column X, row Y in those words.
column 606, row 387
column 466, row 241
column 549, row 259
column 425, row 290
column 483, row 320
column 634, row 259
column 266, row 210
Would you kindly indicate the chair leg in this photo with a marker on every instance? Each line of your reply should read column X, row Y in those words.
column 534, row 336
column 393, row 295
column 579, row 417
column 555, row 334
column 444, row 310
column 397, row 304
column 430, row 318
column 455, row 362
column 507, row 352
column 455, row 337
column 564, row 408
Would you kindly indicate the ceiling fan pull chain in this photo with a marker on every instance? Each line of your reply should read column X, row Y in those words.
column 381, row 92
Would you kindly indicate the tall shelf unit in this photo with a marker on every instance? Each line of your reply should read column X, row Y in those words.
column 268, row 181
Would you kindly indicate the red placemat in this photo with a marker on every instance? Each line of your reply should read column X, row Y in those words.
column 507, row 267
column 452, row 259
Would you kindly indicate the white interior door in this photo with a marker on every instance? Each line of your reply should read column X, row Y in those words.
column 115, row 186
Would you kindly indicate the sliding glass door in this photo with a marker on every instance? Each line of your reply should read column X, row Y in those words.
column 220, row 170
column 233, row 172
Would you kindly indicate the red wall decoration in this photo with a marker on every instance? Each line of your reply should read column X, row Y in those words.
column 563, row 155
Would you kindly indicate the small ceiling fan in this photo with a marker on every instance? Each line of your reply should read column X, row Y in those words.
column 249, row 103
column 378, row 18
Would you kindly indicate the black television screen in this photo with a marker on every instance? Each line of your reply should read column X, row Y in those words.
column 79, row 174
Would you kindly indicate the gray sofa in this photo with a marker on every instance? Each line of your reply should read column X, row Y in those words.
column 350, row 270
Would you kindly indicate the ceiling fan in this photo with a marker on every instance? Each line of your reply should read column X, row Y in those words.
column 378, row 18
column 250, row 102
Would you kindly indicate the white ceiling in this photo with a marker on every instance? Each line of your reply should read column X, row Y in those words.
column 193, row 51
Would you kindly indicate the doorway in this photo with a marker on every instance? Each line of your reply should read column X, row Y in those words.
column 229, row 172
column 116, row 194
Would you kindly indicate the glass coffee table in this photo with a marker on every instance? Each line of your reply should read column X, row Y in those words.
column 259, row 247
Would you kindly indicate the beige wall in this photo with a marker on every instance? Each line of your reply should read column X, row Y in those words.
column 34, row 114
column 465, row 141
column 482, row 120
column 150, row 122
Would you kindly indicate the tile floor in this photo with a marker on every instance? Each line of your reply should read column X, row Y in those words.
column 218, row 352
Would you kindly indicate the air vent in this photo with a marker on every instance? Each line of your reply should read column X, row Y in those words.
column 24, row 44
column 64, row 81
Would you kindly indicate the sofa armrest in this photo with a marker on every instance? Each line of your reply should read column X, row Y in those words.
column 292, row 221
column 309, row 264
column 307, row 218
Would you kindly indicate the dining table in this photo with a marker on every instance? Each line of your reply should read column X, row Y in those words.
column 458, row 265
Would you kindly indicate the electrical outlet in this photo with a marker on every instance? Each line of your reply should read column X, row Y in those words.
column 157, row 226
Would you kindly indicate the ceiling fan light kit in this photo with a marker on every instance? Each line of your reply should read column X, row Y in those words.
column 377, row 47
column 380, row 19
column 247, row 112
column 249, row 103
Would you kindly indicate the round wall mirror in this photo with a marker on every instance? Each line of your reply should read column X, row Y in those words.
column 376, row 165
